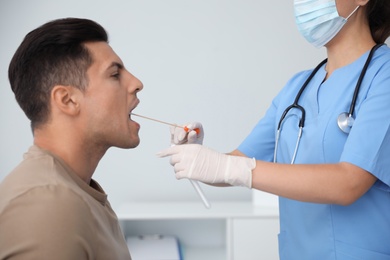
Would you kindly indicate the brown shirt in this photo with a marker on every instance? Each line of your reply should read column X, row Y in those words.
column 48, row 212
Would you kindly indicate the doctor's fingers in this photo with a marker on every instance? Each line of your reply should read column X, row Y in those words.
column 193, row 138
column 196, row 135
column 179, row 167
column 180, row 171
column 182, row 161
column 178, row 135
column 195, row 125
column 167, row 152
column 175, row 159
column 185, row 152
column 176, row 152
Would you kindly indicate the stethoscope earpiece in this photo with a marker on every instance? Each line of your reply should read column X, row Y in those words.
column 345, row 122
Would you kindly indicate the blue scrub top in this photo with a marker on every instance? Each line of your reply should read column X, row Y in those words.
column 325, row 231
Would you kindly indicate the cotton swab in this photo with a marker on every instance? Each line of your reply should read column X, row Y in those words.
column 197, row 130
column 194, row 183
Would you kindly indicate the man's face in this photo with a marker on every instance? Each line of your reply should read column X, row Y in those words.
column 108, row 100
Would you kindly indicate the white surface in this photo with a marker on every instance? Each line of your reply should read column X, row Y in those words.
column 204, row 253
column 153, row 248
column 192, row 210
column 264, row 199
column 255, row 239
column 219, row 233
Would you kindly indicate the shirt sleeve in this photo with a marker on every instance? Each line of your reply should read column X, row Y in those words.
column 260, row 143
column 368, row 144
column 47, row 223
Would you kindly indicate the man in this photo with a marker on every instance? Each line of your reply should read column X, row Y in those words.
column 78, row 96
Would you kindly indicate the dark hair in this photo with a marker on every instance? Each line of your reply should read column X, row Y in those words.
column 52, row 54
column 378, row 13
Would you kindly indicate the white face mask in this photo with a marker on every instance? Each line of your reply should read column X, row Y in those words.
column 318, row 20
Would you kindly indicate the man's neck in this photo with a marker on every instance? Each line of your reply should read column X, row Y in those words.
column 81, row 158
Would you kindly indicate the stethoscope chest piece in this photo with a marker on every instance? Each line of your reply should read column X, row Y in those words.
column 345, row 122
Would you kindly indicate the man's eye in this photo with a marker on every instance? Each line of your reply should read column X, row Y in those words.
column 116, row 75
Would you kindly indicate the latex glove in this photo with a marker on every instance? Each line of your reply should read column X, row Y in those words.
column 197, row 162
column 181, row 136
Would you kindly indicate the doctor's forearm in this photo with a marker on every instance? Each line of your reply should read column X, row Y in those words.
column 341, row 183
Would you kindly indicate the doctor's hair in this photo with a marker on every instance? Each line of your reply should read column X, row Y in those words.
column 52, row 54
column 378, row 14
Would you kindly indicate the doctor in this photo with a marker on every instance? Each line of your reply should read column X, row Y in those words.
column 333, row 181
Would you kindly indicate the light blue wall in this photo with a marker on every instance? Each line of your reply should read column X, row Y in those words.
column 213, row 61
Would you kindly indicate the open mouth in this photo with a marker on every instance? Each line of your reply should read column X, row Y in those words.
column 131, row 121
column 132, row 108
column 130, row 114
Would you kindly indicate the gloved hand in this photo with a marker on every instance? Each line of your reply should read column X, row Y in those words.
column 193, row 135
column 197, row 162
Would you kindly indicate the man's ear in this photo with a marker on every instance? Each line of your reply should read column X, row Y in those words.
column 66, row 99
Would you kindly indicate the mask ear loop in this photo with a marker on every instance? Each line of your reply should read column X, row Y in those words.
column 357, row 7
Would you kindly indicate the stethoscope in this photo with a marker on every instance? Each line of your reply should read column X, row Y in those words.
column 345, row 120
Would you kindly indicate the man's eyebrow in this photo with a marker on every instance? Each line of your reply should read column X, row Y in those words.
column 116, row 64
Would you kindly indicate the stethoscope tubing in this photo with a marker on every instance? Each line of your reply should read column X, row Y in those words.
column 360, row 80
column 303, row 112
column 295, row 104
